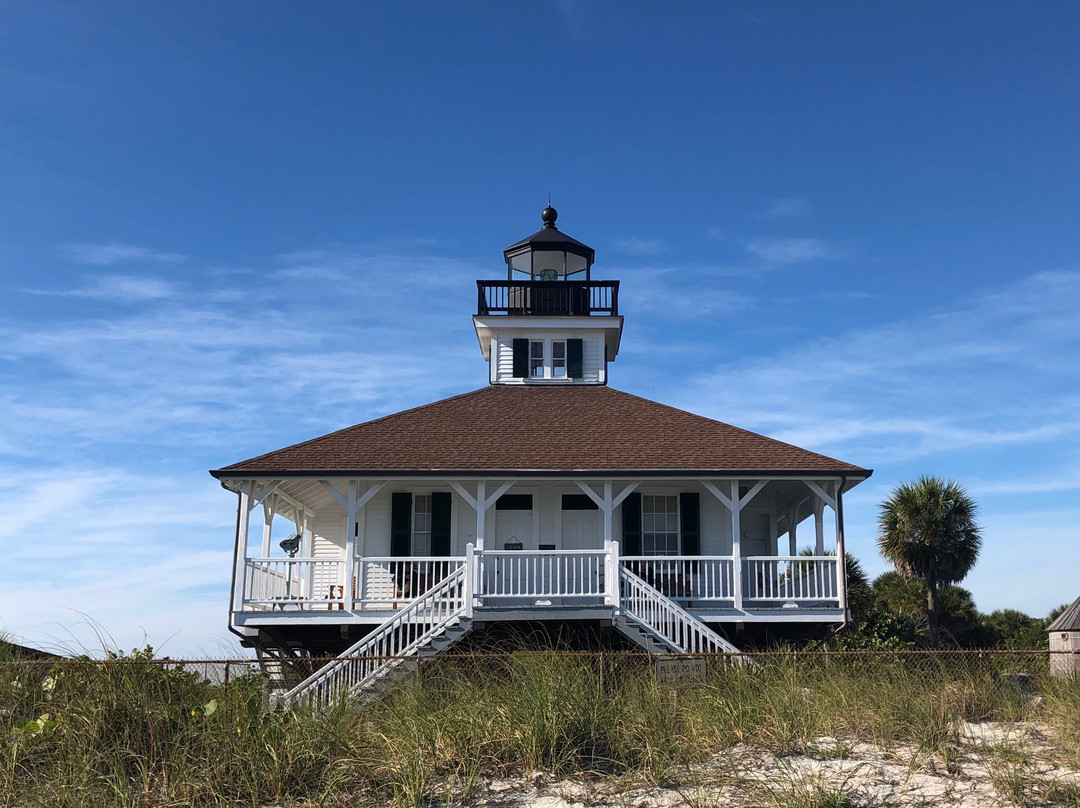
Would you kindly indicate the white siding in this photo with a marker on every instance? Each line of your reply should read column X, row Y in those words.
column 377, row 523
column 715, row 526
column 327, row 541
column 502, row 354
column 328, row 533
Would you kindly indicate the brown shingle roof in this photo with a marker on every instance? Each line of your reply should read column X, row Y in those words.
column 541, row 429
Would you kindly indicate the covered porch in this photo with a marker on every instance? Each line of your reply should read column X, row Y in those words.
column 538, row 546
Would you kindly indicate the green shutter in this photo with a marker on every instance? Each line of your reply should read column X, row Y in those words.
column 690, row 510
column 575, row 364
column 401, row 524
column 521, row 358
column 631, row 525
column 440, row 523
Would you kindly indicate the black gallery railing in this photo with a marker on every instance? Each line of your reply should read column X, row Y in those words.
column 548, row 298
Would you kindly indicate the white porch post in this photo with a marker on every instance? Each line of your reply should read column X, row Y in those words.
column 268, row 527
column 470, row 578
column 608, row 510
column 734, row 503
column 836, row 502
column 841, row 558
column 306, row 550
column 481, row 513
column 774, row 527
column 607, row 505
column 243, row 521
column 736, row 545
column 480, row 504
column 350, row 547
column 819, row 527
column 614, row 574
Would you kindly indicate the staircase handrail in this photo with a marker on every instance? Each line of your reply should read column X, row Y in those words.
column 384, row 647
column 650, row 607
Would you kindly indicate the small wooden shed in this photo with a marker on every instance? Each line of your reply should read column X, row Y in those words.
column 1065, row 636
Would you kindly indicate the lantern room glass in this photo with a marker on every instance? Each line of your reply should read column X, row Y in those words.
column 538, row 265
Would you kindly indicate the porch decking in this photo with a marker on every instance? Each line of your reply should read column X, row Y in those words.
column 540, row 584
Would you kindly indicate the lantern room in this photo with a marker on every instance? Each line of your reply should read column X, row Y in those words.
column 549, row 255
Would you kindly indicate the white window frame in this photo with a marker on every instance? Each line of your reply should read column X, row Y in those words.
column 547, row 363
column 666, row 532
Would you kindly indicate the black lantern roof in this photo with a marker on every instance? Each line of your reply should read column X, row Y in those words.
column 568, row 256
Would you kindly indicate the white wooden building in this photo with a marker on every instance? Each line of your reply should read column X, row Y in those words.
column 1065, row 641
column 545, row 496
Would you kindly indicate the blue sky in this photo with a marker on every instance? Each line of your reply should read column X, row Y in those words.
column 231, row 226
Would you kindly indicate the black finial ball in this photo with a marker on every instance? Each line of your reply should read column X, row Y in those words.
column 549, row 215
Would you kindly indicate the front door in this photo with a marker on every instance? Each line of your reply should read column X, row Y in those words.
column 582, row 529
column 514, row 532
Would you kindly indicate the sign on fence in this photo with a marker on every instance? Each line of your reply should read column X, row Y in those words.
column 680, row 672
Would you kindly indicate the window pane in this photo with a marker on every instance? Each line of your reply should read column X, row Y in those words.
column 421, row 535
column 558, row 359
column 536, row 359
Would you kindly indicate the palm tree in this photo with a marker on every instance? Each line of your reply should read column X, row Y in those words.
column 927, row 529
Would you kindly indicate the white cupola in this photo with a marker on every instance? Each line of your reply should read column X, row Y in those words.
column 549, row 322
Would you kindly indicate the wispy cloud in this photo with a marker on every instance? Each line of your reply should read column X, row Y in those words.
column 640, row 246
column 116, row 288
column 116, row 252
column 794, row 250
column 173, row 372
column 785, row 207
column 127, row 546
column 680, row 291
column 995, row 372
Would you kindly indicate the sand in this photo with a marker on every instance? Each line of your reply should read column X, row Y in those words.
column 994, row 764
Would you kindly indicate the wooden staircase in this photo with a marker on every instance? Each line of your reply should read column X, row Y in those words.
column 660, row 625
column 432, row 623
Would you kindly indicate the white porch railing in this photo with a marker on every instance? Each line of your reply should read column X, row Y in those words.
column 790, row 578
column 542, row 574
column 700, row 580
column 575, row 576
column 291, row 583
column 389, row 582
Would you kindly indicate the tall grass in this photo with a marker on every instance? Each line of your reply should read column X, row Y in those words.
column 132, row 732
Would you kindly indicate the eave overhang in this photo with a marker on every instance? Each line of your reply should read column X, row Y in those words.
column 611, row 327
column 688, row 474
